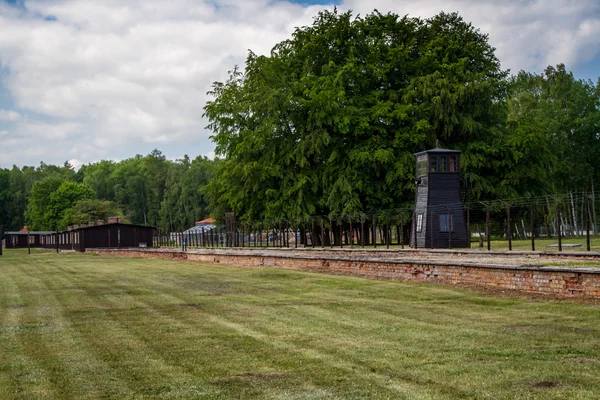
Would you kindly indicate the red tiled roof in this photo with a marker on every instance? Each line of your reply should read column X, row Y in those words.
column 206, row 221
column 25, row 229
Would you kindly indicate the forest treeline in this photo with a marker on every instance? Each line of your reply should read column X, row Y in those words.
column 327, row 124
column 146, row 190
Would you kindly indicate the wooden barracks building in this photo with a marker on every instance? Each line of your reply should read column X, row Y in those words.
column 98, row 234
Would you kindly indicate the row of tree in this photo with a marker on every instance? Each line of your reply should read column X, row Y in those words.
column 148, row 190
column 327, row 124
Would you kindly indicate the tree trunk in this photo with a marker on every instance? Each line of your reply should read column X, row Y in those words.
column 548, row 217
column 594, row 208
column 574, row 215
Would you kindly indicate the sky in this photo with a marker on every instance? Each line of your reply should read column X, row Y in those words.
column 82, row 81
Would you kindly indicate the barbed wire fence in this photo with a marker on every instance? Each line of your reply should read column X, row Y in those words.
column 552, row 222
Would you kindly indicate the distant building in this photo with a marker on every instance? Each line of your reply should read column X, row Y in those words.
column 19, row 239
column 112, row 234
column 206, row 227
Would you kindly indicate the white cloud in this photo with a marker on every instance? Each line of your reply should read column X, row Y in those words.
column 9, row 115
column 113, row 78
column 75, row 163
column 116, row 78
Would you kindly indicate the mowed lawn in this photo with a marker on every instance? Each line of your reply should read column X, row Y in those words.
column 82, row 326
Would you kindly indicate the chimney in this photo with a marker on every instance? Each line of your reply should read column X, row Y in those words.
column 83, row 226
column 100, row 222
column 69, row 228
column 91, row 223
column 75, row 226
column 114, row 220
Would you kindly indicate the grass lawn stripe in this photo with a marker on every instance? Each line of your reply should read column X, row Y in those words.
column 126, row 334
column 218, row 324
column 18, row 370
column 178, row 299
column 93, row 376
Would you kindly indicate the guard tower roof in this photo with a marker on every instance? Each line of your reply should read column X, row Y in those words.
column 437, row 150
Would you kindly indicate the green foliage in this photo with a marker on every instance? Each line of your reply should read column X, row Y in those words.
column 41, row 209
column 329, row 121
column 15, row 188
column 50, row 201
column 143, row 189
column 553, row 129
column 184, row 202
column 91, row 210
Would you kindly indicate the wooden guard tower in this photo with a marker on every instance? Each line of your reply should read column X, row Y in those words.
column 439, row 218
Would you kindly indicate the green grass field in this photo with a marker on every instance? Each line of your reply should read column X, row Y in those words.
column 81, row 326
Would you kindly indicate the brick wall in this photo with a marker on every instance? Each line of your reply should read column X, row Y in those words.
column 565, row 281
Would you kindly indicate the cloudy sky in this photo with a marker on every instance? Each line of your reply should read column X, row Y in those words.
column 87, row 80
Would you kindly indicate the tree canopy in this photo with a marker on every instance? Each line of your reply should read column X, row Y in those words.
column 328, row 122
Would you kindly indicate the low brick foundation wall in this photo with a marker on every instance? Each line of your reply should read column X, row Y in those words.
column 564, row 281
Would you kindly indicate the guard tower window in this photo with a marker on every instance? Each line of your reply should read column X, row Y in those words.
column 442, row 164
column 432, row 164
column 445, row 223
column 419, row 222
column 452, row 164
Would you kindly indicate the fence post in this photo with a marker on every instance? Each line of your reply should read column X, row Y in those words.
column 362, row 231
column 331, row 234
column 341, row 222
column 414, row 225
column 532, row 227
column 387, row 232
column 304, row 233
column 587, row 223
column 351, row 234
column 374, row 232
column 402, row 231
column 508, row 232
column 558, row 227
column 322, row 235
column 468, row 227
column 487, row 227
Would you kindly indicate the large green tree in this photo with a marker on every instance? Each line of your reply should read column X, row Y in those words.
column 91, row 210
column 51, row 199
column 328, row 122
column 553, row 132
